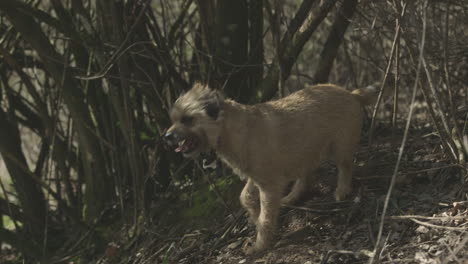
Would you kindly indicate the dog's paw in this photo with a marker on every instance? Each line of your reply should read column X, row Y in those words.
column 251, row 248
column 252, row 221
column 254, row 251
column 342, row 193
column 288, row 200
column 248, row 251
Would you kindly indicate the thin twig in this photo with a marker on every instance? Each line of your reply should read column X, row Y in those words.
column 120, row 50
column 377, row 249
column 461, row 153
column 397, row 81
column 438, row 226
column 228, row 229
column 396, row 40
column 443, row 134
column 460, row 246
column 319, row 211
column 435, row 169
column 215, row 188
column 440, row 218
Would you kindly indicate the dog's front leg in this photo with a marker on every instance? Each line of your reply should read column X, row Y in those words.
column 250, row 200
column 270, row 198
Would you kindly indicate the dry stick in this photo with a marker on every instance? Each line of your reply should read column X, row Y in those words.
column 396, row 89
column 445, row 135
column 438, row 226
column 275, row 32
column 312, row 210
column 400, row 261
column 457, row 249
column 461, row 153
column 396, row 39
column 435, row 169
column 120, row 50
column 350, row 64
column 215, row 188
column 163, row 102
column 439, row 218
column 450, row 251
column 155, row 254
column 226, row 231
column 375, row 258
column 442, row 134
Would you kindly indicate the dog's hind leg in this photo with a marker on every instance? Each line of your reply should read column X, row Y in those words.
column 344, row 185
column 296, row 192
column 342, row 153
column 298, row 188
column 344, row 163
column 249, row 199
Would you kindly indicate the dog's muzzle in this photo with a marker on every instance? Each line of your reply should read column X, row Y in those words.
column 171, row 138
column 182, row 142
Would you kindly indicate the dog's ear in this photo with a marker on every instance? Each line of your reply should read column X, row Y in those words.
column 212, row 110
column 214, row 105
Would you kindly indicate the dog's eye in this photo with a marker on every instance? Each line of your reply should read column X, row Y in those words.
column 187, row 120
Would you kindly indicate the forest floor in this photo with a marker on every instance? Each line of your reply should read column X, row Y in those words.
column 427, row 218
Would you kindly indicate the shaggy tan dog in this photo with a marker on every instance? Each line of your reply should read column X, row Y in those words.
column 272, row 144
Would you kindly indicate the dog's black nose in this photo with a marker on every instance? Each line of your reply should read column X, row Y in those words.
column 169, row 137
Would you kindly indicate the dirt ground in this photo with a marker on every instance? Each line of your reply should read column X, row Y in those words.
column 426, row 221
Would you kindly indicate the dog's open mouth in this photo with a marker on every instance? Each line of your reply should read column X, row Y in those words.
column 187, row 145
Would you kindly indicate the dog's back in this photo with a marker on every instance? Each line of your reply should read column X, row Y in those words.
column 297, row 133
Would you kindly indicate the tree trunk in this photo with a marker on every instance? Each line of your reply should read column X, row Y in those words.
column 232, row 47
column 330, row 49
column 256, row 52
column 292, row 48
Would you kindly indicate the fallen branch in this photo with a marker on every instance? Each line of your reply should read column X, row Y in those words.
column 440, row 218
column 457, row 249
column 438, row 226
column 319, row 211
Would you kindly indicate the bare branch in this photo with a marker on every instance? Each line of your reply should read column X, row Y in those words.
column 293, row 48
column 330, row 48
column 378, row 245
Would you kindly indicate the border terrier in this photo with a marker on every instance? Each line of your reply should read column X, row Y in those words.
column 272, row 144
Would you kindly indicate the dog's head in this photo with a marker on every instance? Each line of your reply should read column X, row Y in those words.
column 196, row 121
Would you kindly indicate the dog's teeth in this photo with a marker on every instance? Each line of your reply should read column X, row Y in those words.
column 181, row 142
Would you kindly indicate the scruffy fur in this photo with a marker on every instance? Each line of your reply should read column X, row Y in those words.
column 273, row 144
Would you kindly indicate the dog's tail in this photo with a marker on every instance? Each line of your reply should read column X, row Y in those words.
column 368, row 95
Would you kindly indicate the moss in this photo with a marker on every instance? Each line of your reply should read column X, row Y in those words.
column 205, row 204
column 8, row 223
